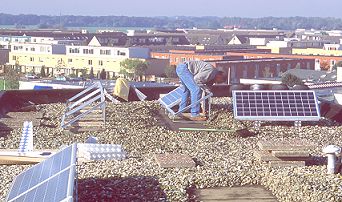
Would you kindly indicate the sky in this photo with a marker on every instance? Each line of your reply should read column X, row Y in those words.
column 198, row 8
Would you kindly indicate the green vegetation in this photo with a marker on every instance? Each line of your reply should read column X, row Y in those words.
column 9, row 79
column 291, row 80
column 9, row 85
column 133, row 68
column 285, row 23
column 170, row 71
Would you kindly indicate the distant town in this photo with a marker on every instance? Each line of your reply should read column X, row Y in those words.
column 108, row 53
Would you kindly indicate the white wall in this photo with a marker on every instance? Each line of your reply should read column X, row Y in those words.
column 339, row 74
column 277, row 44
column 257, row 41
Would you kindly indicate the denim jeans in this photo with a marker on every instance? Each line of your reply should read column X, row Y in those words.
column 190, row 87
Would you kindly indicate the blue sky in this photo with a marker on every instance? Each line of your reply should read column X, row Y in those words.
column 229, row 8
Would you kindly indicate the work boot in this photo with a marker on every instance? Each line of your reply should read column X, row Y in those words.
column 198, row 118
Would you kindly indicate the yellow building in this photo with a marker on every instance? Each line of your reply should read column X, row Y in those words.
column 316, row 51
column 57, row 59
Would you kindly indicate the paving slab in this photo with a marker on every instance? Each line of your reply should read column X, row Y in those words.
column 174, row 161
column 285, row 145
column 236, row 194
column 265, row 156
column 298, row 154
column 280, row 164
column 164, row 120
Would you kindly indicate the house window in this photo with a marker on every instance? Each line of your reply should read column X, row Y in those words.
column 33, row 49
column 14, row 57
column 88, row 51
column 41, row 60
column 15, row 47
column 74, row 50
column 183, row 59
column 121, row 53
column 32, row 59
column 69, row 60
column 100, row 62
column 90, row 62
column 104, row 52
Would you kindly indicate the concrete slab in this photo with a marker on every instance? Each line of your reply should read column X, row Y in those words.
column 174, row 161
column 280, row 164
column 295, row 144
column 265, row 156
column 237, row 194
column 269, row 156
column 164, row 120
column 296, row 154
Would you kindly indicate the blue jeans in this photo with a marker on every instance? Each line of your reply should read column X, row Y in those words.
column 190, row 87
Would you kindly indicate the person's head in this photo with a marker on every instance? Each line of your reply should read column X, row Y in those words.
column 220, row 77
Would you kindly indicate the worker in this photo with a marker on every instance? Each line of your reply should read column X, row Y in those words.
column 194, row 75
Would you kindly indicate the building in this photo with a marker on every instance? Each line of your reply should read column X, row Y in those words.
column 260, row 68
column 321, row 62
column 203, row 53
column 68, row 59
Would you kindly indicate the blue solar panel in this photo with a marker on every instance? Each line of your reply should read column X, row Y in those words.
column 50, row 180
column 276, row 105
column 172, row 98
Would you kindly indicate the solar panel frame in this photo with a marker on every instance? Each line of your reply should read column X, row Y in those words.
column 284, row 105
column 48, row 172
column 172, row 99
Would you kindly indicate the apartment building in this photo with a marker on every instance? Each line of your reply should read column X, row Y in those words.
column 261, row 68
column 321, row 62
column 69, row 59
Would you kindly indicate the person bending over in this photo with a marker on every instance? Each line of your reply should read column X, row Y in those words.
column 192, row 75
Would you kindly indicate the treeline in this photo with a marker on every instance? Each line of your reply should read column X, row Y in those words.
column 284, row 23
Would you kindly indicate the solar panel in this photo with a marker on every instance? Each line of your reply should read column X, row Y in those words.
column 26, row 140
column 50, row 180
column 172, row 99
column 276, row 105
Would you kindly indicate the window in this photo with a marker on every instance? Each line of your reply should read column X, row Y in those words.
column 74, row 50
column 182, row 59
column 104, row 52
column 100, row 62
column 90, row 62
column 41, row 60
column 88, row 51
column 121, row 53
column 32, row 59
column 33, row 49
column 69, row 60
column 14, row 57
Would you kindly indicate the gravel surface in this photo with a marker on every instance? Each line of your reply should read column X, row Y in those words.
column 222, row 158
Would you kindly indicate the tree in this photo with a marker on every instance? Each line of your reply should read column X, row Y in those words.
column 11, row 77
column 133, row 68
column 84, row 72
column 103, row 74
column 291, row 80
column 91, row 73
column 170, row 71
column 42, row 71
column 325, row 65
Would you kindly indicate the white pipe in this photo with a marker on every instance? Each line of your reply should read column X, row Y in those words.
column 332, row 151
column 331, row 163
